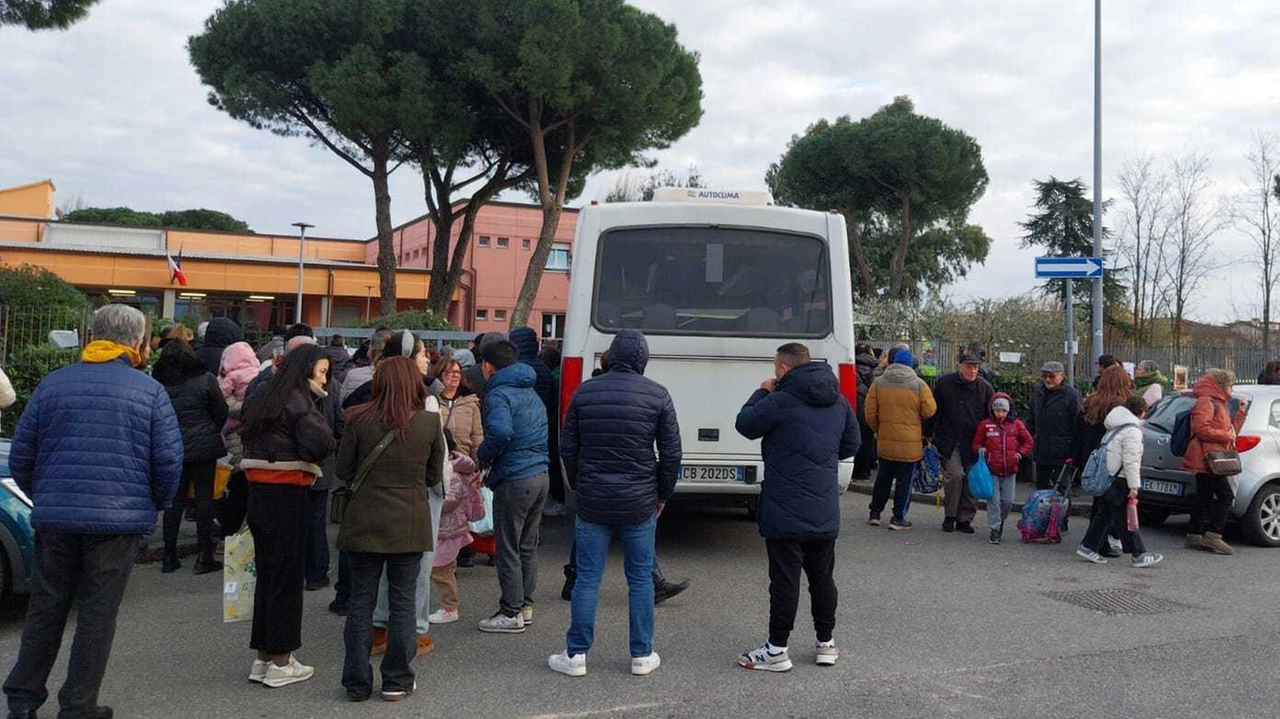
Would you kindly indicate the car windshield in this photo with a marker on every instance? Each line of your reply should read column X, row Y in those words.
column 713, row 281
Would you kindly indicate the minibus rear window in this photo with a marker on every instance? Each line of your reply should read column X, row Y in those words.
column 713, row 281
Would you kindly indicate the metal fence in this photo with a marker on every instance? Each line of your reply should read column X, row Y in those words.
column 30, row 326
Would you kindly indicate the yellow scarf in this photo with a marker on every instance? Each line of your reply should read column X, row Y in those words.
column 102, row 351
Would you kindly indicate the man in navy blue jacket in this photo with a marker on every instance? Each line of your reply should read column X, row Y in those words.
column 99, row 451
column 515, row 450
column 613, row 425
column 807, row 428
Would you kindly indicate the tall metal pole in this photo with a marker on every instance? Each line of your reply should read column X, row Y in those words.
column 1097, row 344
column 302, row 244
column 1070, row 334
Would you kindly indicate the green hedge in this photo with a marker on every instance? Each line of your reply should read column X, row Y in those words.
column 412, row 320
column 27, row 366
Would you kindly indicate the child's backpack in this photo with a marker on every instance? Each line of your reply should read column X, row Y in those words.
column 1181, row 437
column 1044, row 517
column 1095, row 479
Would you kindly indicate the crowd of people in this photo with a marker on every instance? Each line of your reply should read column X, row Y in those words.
column 395, row 443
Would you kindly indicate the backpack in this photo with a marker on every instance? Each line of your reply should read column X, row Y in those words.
column 1181, row 437
column 1095, row 479
column 1044, row 517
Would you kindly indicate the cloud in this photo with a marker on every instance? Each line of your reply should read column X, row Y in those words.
column 112, row 108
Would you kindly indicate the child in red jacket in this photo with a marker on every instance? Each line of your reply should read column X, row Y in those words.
column 1006, row 441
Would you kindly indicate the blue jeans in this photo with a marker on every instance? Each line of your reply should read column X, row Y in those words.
column 1001, row 502
column 592, row 542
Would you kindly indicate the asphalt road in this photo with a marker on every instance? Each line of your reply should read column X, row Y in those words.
column 930, row 624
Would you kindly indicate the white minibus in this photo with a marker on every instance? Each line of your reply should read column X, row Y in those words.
column 716, row 281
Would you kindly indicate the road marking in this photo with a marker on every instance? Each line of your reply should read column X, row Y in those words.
column 601, row 712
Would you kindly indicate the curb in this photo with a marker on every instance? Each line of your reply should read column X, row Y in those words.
column 1079, row 508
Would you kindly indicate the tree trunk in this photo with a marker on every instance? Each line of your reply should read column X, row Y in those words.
column 1266, row 309
column 860, row 257
column 441, row 219
column 552, row 200
column 386, row 242
column 537, row 263
column 898, row 260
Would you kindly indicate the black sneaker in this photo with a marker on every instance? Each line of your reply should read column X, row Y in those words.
column 207, row 565
column 467, row 557
column 899, row 525
column 571, row 578
column 318, row 584
column 170, row 564
column 874, row 519
column 949, row 525
column 667, row 589
column 339, row 607
column 964, row 527
column 995, row 536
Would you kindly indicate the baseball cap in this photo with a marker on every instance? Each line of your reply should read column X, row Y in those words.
column 1053, row 367
column 968, row 357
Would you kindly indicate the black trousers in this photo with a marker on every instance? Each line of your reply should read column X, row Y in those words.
column 278, row 520
column 90, row 571
column 233, row 506
column 866, row 456
column 1214, row 499
column 402, row 634
column 818, row 560
column 317, row 535
column 199, row 475
column 1110, row 518
column 898, row 476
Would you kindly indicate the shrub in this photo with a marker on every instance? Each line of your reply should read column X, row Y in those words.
column 411, row 320
column 27, row 366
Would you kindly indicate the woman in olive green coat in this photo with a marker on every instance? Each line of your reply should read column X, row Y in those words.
column 388, row 521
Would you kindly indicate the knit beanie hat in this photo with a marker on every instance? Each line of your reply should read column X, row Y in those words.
column 1000, row 403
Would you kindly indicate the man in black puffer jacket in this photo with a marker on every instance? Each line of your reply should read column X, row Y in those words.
column 964, row 400
column 610, row 431
column 807, row 428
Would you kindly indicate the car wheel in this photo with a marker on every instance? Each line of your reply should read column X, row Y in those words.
column 1153, row 516
column 1262, row 523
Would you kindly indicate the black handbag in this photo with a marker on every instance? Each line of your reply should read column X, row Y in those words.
column 342, row 495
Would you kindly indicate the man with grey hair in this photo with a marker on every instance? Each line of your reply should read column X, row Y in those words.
column 96, row 483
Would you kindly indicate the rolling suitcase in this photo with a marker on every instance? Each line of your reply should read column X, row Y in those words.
column 1045, row 512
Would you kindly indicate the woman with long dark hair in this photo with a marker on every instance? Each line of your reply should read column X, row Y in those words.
column 1113, row 388
column 285, row 439
column 201, row 410
column 392, row 453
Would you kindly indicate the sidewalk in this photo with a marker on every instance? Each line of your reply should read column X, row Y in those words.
column 152, row 547
column 1080, row 505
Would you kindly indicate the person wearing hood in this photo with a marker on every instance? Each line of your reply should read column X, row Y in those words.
column 1005, row 441
column 612, row 426
column 1149, row 382
column 1124, row 463
column 474, row 375
column 515, row 450
column 198, row 402
column 898, row 405
column 1055, row 405
column 865, row 363
column 963, row 401
column 339, row 359
column 1212, row 430
column 806, row 428
column 218, row 336
column 239, row 368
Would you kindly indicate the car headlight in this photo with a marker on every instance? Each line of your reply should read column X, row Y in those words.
column 16, row 491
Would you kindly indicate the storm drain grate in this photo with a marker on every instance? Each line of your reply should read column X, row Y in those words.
column 1117, row 601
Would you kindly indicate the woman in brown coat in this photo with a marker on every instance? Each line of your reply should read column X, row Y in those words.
column 1211, row 431
column 460, row 407
column 388, row 521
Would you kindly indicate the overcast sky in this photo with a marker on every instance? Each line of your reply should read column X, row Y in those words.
column 112, row 109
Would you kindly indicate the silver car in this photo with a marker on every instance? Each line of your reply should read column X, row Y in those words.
column 1168, row 489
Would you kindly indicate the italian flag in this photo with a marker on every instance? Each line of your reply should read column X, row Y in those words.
column 175, row 266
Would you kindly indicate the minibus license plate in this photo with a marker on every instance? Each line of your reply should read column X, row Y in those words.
column 712, row 474
column 1161, row 487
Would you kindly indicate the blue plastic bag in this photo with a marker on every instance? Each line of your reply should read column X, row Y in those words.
column 981, row 484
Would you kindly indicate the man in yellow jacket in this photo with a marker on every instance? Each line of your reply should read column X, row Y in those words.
column 898, row 403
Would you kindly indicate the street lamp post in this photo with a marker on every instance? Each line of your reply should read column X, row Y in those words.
column 1098, row 349
column 302, row 243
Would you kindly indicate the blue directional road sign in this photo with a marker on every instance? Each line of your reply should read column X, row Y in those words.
column 1076, row 268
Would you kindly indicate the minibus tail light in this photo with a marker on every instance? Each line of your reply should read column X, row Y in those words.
column 849, row 384
column 570, row 378
column 1246, row 442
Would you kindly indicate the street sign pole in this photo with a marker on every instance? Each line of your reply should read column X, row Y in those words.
column 1097, row 345
column 1069, row 347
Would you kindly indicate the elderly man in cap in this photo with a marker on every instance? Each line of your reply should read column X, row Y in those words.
column 963, row 399
column 1055, row 405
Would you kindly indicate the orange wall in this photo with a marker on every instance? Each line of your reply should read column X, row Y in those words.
column 264, row 245
column 20, row 230
column 34, row 200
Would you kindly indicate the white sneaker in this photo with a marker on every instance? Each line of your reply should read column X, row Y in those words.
column 443, row 616
column 258, row 672
column 1147, row 559
column 762, row 660
column 502, row 624
column 526, row 614
column 644, row 666
column 827, row 654
column 1090, row 556
column 395, row 696
column 552, row 508
column 575, row 666
column 291, row 673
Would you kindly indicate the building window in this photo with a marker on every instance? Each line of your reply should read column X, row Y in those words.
column 499, row 315
column 484, row 241
column 417, row 254
column 503, row 243
column 482, row 315
column 559, row 258
column 526, row 244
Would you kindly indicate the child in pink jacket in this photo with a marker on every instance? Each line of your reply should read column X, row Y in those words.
column 462, row 504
